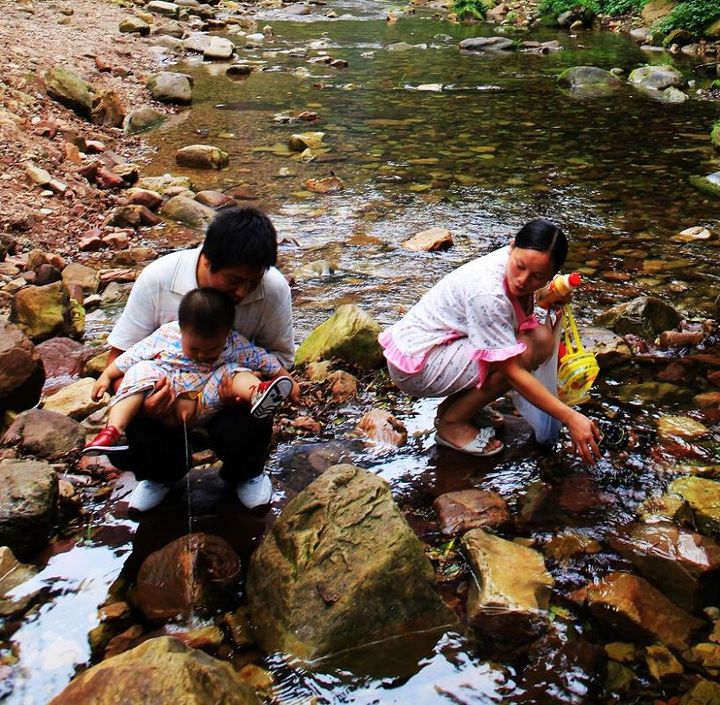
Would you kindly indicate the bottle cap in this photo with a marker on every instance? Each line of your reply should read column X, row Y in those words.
column 574, row 279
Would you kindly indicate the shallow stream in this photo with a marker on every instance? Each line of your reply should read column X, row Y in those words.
column 498, row 144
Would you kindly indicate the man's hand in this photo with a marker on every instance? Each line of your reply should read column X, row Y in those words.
column 161, row 401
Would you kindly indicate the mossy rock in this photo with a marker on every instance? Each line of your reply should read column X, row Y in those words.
column 713, row 31
column 584, row 76
column 703, row 496
column 69, row 89
column 709, row 185
column 715, row 134
column 349, row 334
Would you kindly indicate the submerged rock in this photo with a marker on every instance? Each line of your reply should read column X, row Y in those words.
column 588, row 76
column 194, row 573
column 630, row 606
column 201, row 156
column 162, row 671
column 703, row 496
column 28, row 505
column 341, row 568
column 487, row 44
column 609, row 349
column 685, row 565
column 645, row 316
column 680, row 427
column 305, row 140
column 22, row 373
column 143, row 119
column 379, row 425
column 509, row 597
column 463, row 510
column 349, row 334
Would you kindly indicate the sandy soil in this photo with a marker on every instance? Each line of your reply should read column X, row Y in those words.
column 81, row 35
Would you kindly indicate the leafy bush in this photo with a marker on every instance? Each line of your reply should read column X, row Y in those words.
column 554, row 8
column 469, row 8
column 692, row 15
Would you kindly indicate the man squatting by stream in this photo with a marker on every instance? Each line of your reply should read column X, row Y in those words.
column 238, row 259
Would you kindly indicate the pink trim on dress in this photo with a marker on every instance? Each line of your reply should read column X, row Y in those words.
column 529, row 323
column 484, row 357
column 410, row 364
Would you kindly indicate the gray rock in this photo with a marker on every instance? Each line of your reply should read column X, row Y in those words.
column 565, row 19
column 588, row 76
column 21, row 370
column 657, row 77
column 487, row 44
column 341, row 568
column 45, row 434
column 219, row 48
column 70, row 89
column 197, row 41
column 143, row 119
column 28, row 505
column 160, row 184
column 641, row 35
column 201, row 156
column 673, row 95
column 134, row 25
column 188, row 210
column 644, row 316
column 170, row 87
column 160, row 7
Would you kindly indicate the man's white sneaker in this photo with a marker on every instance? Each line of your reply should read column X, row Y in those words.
column 255, row 492
column 148, row 494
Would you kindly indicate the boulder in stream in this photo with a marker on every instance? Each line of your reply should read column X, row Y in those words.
column 45, row 434
column 632, row 607
column 609, row 349
column 341, row 568
column 218, row 48
column 28, row 505
column 430, row 240
column 584, row 77
column 487, row 44
column 703, row 497
column 21, row 369
column 656, row 77
column 161, row 671
column 685, row 565
column 509, row 597
column 645, row 316
column 709, row 184
column 463, row 510
column 142, row 119
column 349, row 334
column 188, row 211
column 201, row 156
column 382, row 426
column 171, row 87
column 194, row 573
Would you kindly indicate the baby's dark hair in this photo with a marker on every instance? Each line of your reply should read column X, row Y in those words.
column 544, row 236
column 207, row 312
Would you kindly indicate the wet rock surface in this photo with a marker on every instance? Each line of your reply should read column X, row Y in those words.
column 45, row 434
column 22, row 374
column 339, row 569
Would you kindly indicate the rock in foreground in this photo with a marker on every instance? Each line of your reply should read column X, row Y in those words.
column 161, row 671
column 341, row 568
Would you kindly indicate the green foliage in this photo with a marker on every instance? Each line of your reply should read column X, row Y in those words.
column 554, row 8
column 692, row 15
column 715, row 134
column 469, row 8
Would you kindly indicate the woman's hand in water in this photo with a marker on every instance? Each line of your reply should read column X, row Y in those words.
column 161, row 401
column 585, row 436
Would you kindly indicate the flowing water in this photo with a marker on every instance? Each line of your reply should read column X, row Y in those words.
column 499, row 143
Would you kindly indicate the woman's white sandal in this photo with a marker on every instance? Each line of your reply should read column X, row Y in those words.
column 477, row 446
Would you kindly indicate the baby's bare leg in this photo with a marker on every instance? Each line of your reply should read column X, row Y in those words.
column 125, row 410
column 243, row 384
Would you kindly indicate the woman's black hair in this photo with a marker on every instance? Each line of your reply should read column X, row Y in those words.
column 206, row 312
column 240, row 236
column 542, row 235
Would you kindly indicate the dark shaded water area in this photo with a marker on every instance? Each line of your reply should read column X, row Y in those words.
column 498, row 144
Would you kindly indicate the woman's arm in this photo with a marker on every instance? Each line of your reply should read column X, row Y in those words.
column 584, row 433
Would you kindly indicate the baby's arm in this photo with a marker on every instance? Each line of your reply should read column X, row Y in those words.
column 105, row 380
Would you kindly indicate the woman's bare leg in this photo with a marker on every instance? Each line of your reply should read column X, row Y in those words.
column 455, row 414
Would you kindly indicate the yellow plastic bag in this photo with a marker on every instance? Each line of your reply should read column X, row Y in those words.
column 578, row 368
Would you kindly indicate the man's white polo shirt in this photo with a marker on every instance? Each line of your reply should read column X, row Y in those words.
column 264, row 316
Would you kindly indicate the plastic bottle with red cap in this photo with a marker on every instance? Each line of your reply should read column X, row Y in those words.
column 560, row 286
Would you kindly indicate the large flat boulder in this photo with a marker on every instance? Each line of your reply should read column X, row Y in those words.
column 509, row 598
column 45, row 434
column 703, row 496
column 22, row 374
column 349, row 334
column 75, row 400
column 634, row 609
column 341, row 568
column 28, row 505
column 161, row 671
column 685, row 565
column 194, row 573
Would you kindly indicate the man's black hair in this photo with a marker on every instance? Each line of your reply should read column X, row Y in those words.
column 544, row 236
column 206, row 312
column 240, row 236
